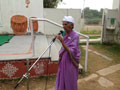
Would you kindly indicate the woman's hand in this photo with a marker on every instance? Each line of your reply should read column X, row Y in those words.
column 59, row 38
column 62, row 41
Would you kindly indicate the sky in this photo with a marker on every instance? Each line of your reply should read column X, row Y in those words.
column 92, row 4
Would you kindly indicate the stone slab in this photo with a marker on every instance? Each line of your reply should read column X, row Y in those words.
column 92, row 76
column 105, row 83
column 109, row 70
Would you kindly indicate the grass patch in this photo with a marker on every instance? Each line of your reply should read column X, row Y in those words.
column 111, row 48
column 82, row 61
column 47, row 77
column 90, row 31
column 94, row 37
column 91, row 43
column 114, row 48
column 9, row 80
column 82, row 58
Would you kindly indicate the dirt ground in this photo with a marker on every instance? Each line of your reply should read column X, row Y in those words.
column 95, row 63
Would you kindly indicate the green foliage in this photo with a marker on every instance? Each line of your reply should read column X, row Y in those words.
column 93, row 21
column 89, row 13
column 51, row 3
column 92, row 16
column 114, row 48
column 94, row 37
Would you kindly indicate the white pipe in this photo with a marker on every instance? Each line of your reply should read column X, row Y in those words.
column 47, row 20
column 86, row 55
column 32, row 34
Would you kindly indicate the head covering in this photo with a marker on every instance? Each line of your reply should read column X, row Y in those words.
column 68, row 19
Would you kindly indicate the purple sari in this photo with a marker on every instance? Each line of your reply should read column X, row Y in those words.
column 67, row 75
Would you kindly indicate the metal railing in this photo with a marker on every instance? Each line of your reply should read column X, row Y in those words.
column 50, row 21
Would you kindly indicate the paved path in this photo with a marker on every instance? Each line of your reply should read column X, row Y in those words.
column 103, row 81
column 109, row 70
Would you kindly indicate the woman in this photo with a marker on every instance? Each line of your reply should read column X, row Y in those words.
column 69, row 56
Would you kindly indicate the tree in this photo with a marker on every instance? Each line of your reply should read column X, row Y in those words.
column 100, row 13
column 51, row 3
column 92, row 16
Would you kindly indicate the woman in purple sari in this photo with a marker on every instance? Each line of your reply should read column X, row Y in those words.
column 69, row 56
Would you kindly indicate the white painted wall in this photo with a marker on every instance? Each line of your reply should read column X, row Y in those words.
column 111, row 14
column 0, row 13
column 76, row 13
column 111, row 35
column 116, row 4
column 8, row 8
column 57, row 15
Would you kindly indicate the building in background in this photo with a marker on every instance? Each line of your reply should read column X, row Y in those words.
column 10, row 8
column 111, row 24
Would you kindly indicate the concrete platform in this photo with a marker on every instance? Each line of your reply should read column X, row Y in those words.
column 20, row 48
column 13, row 56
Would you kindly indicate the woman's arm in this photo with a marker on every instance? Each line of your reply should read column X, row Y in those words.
column 67, row 49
